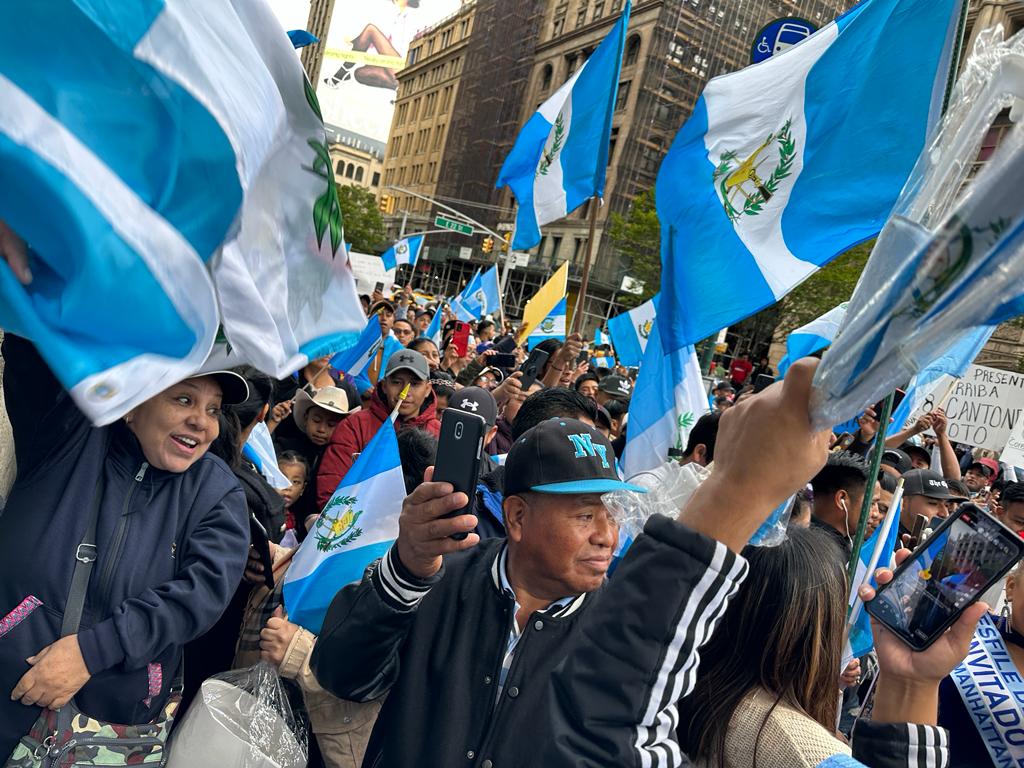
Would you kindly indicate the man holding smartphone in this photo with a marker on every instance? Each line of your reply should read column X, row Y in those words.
column 477, row 632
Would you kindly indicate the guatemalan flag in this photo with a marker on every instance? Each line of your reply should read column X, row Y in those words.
column 358, row 525
column 353, row 361
column 559, row 160
column 405, row 251
column 433, row 331
column 813, row 337
column 551, row 327
column 668, row 399
column 788, row 163
column 877, row 551
column 630, row 332
column 482, row 296
column 166, row 160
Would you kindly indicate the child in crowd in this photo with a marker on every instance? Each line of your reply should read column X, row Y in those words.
column 294, row 466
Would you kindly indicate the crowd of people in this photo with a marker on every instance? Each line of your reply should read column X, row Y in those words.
column 135, row 564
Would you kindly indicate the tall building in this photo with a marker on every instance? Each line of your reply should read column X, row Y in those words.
column 319, row 21
column 357, row 160
column 428, row 87
column 522, row 51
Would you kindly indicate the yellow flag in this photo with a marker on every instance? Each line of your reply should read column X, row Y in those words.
column 540, row 306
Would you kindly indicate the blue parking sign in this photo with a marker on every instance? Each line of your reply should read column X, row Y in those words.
column 780, row 35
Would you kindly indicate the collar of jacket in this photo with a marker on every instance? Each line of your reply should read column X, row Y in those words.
column 125, row 453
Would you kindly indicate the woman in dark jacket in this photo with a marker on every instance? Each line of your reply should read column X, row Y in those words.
column 171, row 542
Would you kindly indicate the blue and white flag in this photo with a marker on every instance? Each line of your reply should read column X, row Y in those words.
column 167, row 162
column 405, row 251
column 463, row 304
column 433, row 331
column 559, row 159
column 667, row 401
column 630, row 332
column 482, row 295
column 788, row 163
column 877, row 551
column 813, row 337
column 953, row 363
column 353, row 361
column 358, row 525
column 551, row 327
column 259, row 449
column 601, row 338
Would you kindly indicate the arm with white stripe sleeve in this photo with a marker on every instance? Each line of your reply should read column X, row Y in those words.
column 356, row 656
column 637, row 651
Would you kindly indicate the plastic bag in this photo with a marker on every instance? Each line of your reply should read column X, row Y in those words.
column 240, row 719
column 669, row 488
column 950, row 258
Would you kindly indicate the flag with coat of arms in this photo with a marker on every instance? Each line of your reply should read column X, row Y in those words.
column 405, row 251
column 482, row 295
column 630, row 332
column 561, row 155
column 167, row 162
column 357, row 526
column 551, row 327
column 786, row 164
column 353, row 361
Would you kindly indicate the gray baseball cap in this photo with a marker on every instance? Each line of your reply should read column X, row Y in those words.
column 408, row 360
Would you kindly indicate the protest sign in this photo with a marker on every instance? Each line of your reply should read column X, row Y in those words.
column 983, row 408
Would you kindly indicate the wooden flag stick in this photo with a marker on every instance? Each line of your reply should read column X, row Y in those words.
column 581, row 301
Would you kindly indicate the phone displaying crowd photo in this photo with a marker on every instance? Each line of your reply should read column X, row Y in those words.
column 460, row 449
column 951, row 570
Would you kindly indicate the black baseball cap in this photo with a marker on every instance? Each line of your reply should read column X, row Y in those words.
column 898, row 460
column 618, row 386
column 924, row 482
column 563, row 456
column 916, row 450
column 475, row 400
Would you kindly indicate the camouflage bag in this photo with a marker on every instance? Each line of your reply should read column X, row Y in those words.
column 67, row 738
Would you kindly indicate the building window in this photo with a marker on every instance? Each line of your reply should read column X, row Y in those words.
column 375, row 181
column 349, row 171
column 414, row 55
column 339, row 168
column 581, row 17
column 446, row 38
column 598, row 9
column 546, row 75
column 623, row 97
column 359, row 174
column 557, row 26
column 556, row 246
column 633, row 50
column 611, row 145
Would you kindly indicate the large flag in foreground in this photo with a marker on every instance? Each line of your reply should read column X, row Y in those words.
column 405, row 251
column 544, row 301
column 559, row 160
column 630, row 332
column 668, row 399
column 786, row 164
column 162, row 162
column 551, row 327
column 357, row 526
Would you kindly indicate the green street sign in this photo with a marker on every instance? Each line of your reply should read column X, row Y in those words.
column 443, row 222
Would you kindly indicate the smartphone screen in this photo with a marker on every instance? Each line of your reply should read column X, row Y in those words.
column 502, row 360
column 968, row 553
column 378, row 288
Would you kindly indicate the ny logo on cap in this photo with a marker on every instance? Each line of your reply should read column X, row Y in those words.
column 584, row 445
column 467, row 403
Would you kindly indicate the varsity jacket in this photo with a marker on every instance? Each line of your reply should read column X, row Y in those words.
column 613, row 700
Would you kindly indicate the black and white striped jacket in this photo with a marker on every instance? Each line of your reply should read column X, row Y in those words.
column 637, row 652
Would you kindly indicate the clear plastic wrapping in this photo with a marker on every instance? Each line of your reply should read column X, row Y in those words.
column 240, row 719
column 951, row 257
column 669, row 488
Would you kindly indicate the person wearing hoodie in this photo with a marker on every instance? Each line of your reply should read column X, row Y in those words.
column 418, row 411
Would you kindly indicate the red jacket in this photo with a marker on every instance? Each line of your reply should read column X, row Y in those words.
column 354, row 433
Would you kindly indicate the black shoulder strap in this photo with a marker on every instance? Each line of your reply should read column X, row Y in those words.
column 85, row 558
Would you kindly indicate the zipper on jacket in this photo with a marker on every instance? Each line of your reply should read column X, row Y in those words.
column 120, row 533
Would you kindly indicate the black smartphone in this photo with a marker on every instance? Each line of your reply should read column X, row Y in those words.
column 378, row 288
column 532, row 367
column 896, row 400
column 582, row 357
column 460, row 449
column 920, row 523
column 502, row 360
column 843, row 442
column 952, row 569
column 260, row 541
column 762, row 382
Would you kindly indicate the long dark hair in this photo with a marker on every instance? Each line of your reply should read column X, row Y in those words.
column 783, row 632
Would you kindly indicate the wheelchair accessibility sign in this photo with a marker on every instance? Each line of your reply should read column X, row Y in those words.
column 780, row 35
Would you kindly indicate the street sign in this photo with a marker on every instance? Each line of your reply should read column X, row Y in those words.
column 780, row 35
column 632, row 285
column 443, row 222
column 522, row 258
column 503, row 227
column 465, row 253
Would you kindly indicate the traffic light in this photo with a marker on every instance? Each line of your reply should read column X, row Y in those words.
column 508, row 240
column 488, row 245
column 387, row 204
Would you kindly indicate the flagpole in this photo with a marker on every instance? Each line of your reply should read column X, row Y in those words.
column 577, row 315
